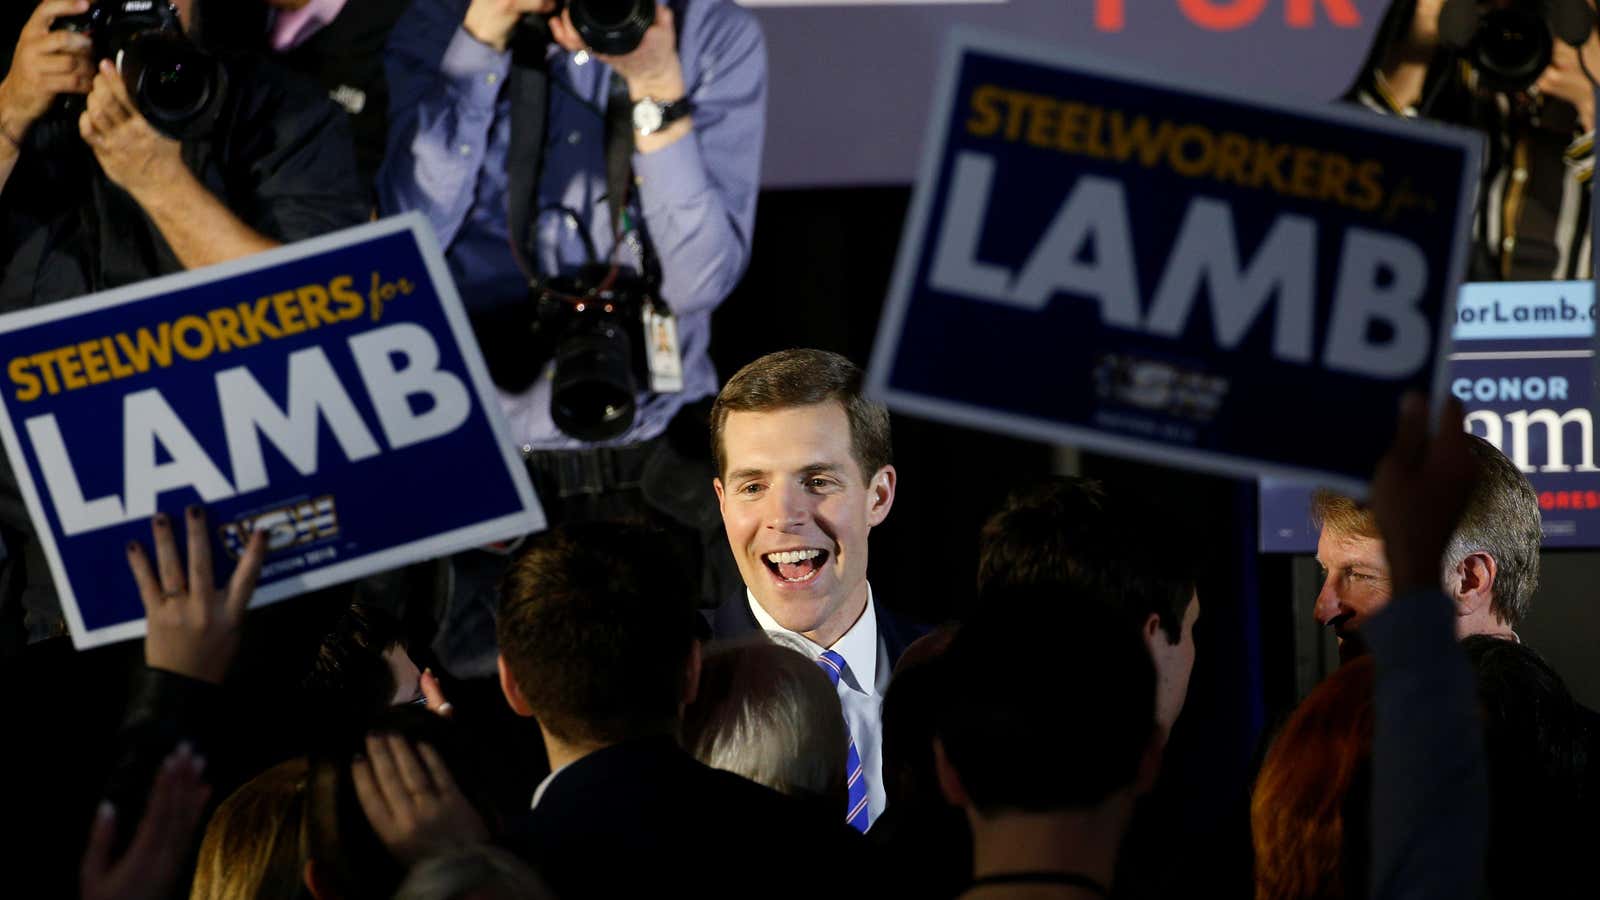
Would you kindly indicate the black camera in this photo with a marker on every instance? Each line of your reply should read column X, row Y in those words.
column 1510, row 44
column 178, row 87
column 592, row 327
column 611, row 27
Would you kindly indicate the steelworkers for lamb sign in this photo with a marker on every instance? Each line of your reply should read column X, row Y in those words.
column 1179, row 273
column 330, row 392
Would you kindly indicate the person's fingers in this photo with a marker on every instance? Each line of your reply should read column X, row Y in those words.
column 435, row 694
column 49, row 11
column 371, row 796
column 243, row 583
column 63, row 45
column 168, row 565
column 149, row 836
column 664, row 20
column 1411, row 431
column 412, row 772
column 118, row 89
column 388, row 777
column 144, row 575
column 564, row 33
column 438, row 772
column 97, row 857
column 200, row 573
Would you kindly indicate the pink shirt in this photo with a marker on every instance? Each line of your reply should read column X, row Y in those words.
column 290, row 28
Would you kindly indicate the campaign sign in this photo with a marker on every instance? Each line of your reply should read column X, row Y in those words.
column 1100, row 257
column 329, row 392
column 1520, row 365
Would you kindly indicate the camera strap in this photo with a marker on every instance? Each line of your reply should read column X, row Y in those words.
column 529, row 89
column 663, row 355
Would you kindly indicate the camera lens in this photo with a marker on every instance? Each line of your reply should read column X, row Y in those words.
column 592, row 397
column 1512, row 46
column 170, row 80
column 612, row 27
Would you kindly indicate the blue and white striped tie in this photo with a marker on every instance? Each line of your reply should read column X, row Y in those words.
column 856, row 780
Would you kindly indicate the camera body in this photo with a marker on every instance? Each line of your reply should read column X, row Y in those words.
column 592, row 327
column 1510, row 45
column 611, row 27
column 177, row 87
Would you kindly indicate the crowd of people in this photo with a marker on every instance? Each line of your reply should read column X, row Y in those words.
column 732, row 752
column 687, row 684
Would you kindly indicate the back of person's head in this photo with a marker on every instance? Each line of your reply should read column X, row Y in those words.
column 767, row 712
column 1537, row 746
column 596, row 631
column 351, row 676
column 1050, row 703
column 910, row 720
column 255, row 846
column 1064, row 530
column 791, row 378
column 1308, row 813
column 482, row 872
column 349, row 860
column 1501, row 520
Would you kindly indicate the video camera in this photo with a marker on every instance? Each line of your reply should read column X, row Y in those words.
column 1510, row 44
column 177, row 87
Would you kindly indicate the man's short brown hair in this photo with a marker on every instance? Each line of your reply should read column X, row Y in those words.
column 1501, row 519
column 791, row 378
column 596, row 626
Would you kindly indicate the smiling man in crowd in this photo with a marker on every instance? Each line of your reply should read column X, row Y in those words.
column 805, row 473
column 1491, row 571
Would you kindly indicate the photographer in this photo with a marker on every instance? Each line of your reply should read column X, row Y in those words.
column 103, row 198
column 94, row 195
column 1474, row 63
column 534, row 157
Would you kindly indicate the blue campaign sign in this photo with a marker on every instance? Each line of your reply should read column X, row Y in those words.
column 1520, row 364
column 329, row 391
column 1171, row 271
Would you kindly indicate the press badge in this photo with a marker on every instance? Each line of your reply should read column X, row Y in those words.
column 661, row 351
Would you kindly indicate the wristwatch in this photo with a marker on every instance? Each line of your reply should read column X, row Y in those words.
column 651, row 115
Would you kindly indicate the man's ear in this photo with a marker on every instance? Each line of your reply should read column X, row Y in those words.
column 880, row 495
column 716, row 485
column 691, row 674
column 1473, row 583
column 508, row 687
column 955, row 793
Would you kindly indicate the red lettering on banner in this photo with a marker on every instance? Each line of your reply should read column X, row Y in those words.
column 1108, row 15
column 1222, row 15
column 1303, row 13
column 1547, row 500
column 1591, row 499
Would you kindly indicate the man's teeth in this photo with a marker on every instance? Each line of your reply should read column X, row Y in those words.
column 793, row 556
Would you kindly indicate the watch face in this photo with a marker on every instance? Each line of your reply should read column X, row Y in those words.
column 646, row 117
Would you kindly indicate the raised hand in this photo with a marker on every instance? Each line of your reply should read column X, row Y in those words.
column 1419, row 491
column 413, row 804
column 192, row 627
column 150, row 867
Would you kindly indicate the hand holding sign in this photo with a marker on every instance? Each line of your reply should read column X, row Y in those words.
column 193, row 626
column 1419, row 491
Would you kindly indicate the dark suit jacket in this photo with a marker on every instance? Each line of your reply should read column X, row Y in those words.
column 645, row 819
column 734, row 619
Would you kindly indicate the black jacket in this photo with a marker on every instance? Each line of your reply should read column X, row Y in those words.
column 645, row 819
